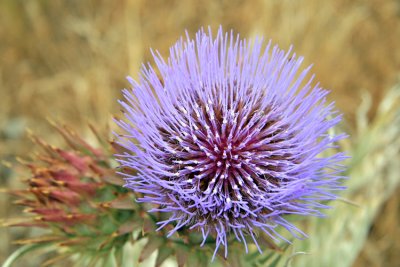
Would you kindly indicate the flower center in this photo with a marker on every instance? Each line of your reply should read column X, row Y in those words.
column 226, row 152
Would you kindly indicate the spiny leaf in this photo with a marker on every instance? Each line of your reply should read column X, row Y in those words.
column 111, row 178
column 118, row 256
column 152, row 245
column 275, row 262
column 75, row 141
column 182, row 255
column 48, row 148
column 100, row 136
column 127, row 227
column 148, row 227
column 56, row 259
column 23, row 222
column 266, row 242
column 74, row 241
column 41, row 239
column 125, row 203
column 163, row 254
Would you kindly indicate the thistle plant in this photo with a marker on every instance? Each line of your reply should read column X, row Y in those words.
column 222, row 144
column 225, row 137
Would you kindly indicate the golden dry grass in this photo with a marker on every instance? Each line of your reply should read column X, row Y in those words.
column 68, row 60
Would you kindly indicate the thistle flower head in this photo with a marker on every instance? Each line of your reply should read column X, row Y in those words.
column 226, row 137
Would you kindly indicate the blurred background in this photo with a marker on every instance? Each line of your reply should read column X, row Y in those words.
column 68, row 60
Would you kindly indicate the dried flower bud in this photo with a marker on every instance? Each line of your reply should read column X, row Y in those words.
column 70, row 195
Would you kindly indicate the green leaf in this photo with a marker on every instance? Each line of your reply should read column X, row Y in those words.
column 268, row 257
column 52, row 261
column 20, row 252
column 276, row 261
column 118, row 257
column 181, row 256
column 152, row 245
column 163, row 254
column 289, row 260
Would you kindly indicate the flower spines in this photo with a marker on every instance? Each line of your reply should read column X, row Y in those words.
column 229, row 138
column 76, row 196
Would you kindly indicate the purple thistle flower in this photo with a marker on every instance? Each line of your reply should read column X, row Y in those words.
column 226, row 137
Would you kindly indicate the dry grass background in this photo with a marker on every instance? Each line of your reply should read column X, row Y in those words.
column 68, row 60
